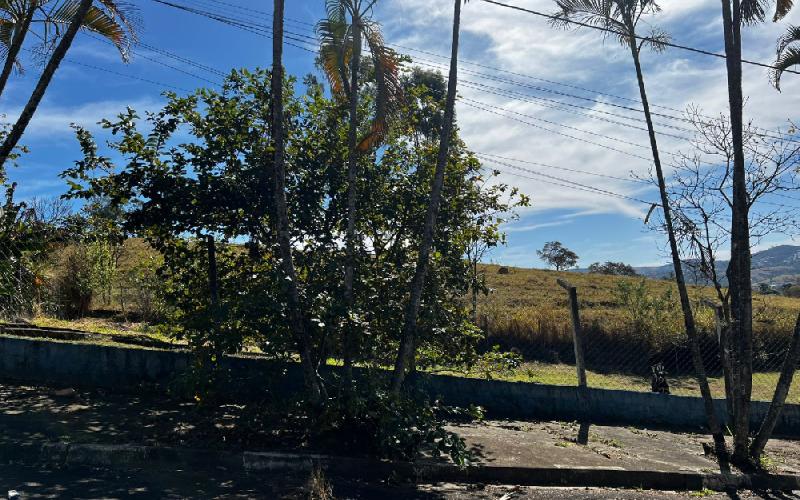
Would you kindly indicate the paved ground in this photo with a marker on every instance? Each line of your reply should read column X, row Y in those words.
column 39, row 483
column 33, row 415
column 552, row 444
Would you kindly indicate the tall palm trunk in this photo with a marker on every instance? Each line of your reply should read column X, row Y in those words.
column 16, row 45
column 739, row 282
column 296, row 317
column 779, row 398
column 349, row 341
column 686, row 306
column 408, row 343
column 44, row 81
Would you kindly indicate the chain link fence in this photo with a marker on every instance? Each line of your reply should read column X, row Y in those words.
column 633, row 334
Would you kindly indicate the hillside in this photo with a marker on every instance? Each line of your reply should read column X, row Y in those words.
column 775, row 266
column 630, row 323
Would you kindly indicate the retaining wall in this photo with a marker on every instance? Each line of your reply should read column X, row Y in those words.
column 123, row 368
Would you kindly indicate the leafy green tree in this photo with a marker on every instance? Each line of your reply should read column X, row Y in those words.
column 176, row 192
column 557, row 255
column 613, row 268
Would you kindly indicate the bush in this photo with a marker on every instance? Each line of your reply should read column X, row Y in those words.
column 84, row 271
column 397, row 429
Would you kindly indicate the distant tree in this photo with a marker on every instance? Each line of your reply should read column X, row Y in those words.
column 557, row 255
column 613, row 268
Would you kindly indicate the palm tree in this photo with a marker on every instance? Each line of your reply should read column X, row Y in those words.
column 13, row 30
column 408, row 341
column 109, row 20
column 621, row 17
column 736, row 13
column 297, row 318
column 341, row 43
column 788, row 54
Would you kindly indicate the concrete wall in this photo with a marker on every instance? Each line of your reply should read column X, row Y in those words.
column 42, row 361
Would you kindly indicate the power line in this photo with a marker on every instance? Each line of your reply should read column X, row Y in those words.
column 254, row 27
column 557, row 181
column 638, row 37
column 162, row 63
column 117, row 73
column 510, row 94
column 494, row 157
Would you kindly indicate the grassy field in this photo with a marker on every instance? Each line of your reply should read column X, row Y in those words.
column 625, row 332
column 629, row 324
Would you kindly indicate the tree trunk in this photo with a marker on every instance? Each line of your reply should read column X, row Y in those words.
column 408, row 343
column 779, row 398
column 297, row 320
column 349, row 342
column 44, row 81
column 16, row 45
column 739, row 282
column 686, row 305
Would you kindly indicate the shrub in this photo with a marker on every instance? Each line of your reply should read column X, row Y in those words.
column 84, row 271
column 404, row 428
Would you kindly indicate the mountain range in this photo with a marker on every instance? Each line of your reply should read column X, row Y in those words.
column 774, row 266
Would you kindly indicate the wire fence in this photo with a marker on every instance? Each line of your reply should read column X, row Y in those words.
column 637, row 345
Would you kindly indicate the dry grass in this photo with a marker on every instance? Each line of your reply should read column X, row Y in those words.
column 527, row 310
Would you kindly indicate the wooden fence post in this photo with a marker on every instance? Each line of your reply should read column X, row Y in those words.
column 577, row 334
column 580, row 365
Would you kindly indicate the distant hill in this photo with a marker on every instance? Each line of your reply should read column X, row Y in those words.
column 777, row 265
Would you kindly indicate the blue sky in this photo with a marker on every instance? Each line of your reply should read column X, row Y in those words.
column 596, row 226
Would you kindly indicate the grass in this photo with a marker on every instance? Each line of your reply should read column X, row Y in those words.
column 628, row 324
column 565, row 375
column 104, row 326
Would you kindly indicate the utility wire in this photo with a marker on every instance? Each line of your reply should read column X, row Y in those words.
column 494, row 157
column 117, row 73
column 638, row 37
column 312, row 41
column 565, row 183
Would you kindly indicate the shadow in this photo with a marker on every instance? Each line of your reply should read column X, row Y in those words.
column 90, row 483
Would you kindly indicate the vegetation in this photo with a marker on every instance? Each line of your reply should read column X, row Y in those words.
column 630, row 322
column 554, row 254
column 612, row 268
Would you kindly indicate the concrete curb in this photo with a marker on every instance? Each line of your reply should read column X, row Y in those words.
column 133, row 456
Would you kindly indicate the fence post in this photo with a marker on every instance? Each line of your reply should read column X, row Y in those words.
column 580, row 366
column 577, row 334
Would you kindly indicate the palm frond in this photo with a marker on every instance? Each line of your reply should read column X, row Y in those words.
column 335, row 50
column 789, row 57
column 657, row 40
column 753, row 11
column 389, row 93
column 782, row 7
column 791, row 35
column 115, row 21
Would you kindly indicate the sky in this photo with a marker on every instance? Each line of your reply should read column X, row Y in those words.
column 539, row 126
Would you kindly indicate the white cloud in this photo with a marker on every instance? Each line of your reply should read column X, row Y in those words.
column 53, row 121
column 522, row 43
